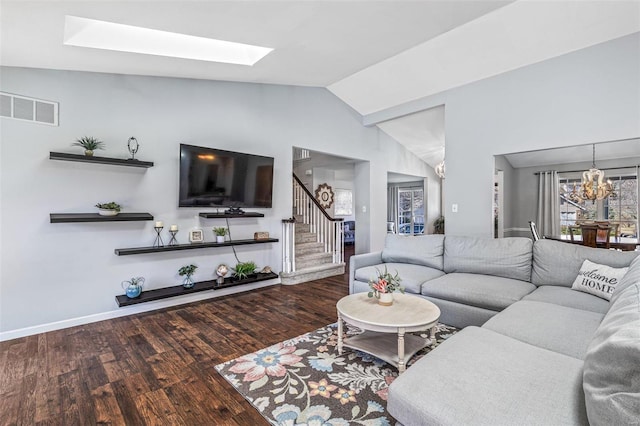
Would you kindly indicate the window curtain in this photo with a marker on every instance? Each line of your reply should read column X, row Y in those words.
column 548, row 218
column 392, row 204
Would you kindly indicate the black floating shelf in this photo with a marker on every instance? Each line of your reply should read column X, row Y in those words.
column 95, row 217
column 225, row 215
column 101, row 160
column 164, row 293
column 193, row 246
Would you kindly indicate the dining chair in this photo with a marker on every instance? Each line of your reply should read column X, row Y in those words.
column 534, row 231
column 594, row 234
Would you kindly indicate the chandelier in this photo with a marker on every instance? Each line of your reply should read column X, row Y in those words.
column 593, row 186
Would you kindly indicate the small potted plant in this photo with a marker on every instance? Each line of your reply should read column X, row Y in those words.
column 383, row 286
column 243, row 270
column 187, row 271
column 108, row 209
column 220, row 233
column 89, row 144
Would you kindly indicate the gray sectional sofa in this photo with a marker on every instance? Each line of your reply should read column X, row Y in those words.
column 533, row 350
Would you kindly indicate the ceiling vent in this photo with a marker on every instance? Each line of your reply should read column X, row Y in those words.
column 28, row 109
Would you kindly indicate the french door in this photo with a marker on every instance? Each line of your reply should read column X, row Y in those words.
column 411, row 211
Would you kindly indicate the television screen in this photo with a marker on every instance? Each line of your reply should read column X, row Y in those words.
column 216, row 178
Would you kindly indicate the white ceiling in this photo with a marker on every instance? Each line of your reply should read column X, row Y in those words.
column 421, row 133
column 373, row 55
column 316, row 42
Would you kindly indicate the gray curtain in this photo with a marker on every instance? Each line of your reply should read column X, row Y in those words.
column 392, row 203
column 548, row 218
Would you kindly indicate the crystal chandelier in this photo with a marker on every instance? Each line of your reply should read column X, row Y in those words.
column 593, row 185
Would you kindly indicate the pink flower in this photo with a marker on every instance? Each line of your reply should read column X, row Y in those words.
column 270, row 361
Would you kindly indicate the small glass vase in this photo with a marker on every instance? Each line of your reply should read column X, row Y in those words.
column 385, row 299
column 188, row 282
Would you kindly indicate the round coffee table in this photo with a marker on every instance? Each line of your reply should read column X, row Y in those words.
column 385, row 326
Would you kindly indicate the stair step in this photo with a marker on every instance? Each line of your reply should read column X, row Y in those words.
column 308, row 247
column 305, row 238
column 303, row 275
column 313, row 259
column 302, row 227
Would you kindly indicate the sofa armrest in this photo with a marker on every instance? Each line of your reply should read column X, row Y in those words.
column 360, row 261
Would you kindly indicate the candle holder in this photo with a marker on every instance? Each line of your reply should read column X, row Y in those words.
column 158, row 242
column 173, row 241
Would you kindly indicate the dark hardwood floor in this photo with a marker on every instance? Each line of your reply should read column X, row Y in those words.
column 157, row 368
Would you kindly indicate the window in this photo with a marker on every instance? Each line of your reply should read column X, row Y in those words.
column 344, row 202
column 621, row 208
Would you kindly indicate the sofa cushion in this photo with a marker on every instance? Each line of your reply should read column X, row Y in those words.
column 501, row 257
column 599, row 280
column 566, row 297
column 426, row 250
column 479, row 377
column 558, row 263
column 558, row 328
column 630, row 278
column 483, row 291
column 411, row 276
column 611, row 373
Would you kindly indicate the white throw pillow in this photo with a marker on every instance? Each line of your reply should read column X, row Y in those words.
column 599, row 280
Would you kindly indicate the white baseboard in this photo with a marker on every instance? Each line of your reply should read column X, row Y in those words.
column 130, row 310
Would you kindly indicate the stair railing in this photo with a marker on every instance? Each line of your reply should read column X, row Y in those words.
column 327, row 230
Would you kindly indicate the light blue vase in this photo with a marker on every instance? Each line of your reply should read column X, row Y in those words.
column 133, row 287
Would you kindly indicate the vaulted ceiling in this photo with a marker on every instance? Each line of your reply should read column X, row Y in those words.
column 374, row 55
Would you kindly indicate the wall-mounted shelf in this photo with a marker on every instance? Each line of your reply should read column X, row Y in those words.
column 95, row 217
column 179, row 290
column 227, row 215
column 100, row 160
column 193, row 246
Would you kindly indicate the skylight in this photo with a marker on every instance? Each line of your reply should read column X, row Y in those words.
column 96, row 34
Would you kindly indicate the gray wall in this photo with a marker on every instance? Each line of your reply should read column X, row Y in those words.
column 588, row 96
column 68, row 272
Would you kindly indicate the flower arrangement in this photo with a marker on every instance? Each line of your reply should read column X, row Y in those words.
column 384, row 283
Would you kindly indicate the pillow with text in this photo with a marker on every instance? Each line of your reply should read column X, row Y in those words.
column 599, row 280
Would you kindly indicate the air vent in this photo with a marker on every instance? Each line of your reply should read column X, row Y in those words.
column 28, row 109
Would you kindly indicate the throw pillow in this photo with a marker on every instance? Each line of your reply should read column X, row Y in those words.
column 599, row 280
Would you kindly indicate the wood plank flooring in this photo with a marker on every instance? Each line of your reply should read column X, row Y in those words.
column 156, row 368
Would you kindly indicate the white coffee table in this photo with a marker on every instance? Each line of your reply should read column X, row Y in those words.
column 385, row 326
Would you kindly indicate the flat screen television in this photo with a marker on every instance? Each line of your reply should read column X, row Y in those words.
column 216, row 178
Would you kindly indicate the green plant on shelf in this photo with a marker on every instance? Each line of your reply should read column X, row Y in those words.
column 187, row 270
column 109, row 206
column 244, row 269
column 89, row 144
column 220, row 232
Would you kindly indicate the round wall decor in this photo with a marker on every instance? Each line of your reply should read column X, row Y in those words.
column 324, row 195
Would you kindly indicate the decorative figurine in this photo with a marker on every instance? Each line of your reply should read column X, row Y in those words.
column 221, row 271
column 132, row 146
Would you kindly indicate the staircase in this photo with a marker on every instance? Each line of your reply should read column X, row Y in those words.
column 312, row 246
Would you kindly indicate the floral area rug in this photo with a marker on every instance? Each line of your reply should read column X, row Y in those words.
column 305, row 381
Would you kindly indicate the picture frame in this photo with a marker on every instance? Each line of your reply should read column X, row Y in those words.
column 196, row 236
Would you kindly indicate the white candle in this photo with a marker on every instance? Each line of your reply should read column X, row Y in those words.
column 173, row 228
column 159, row 224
